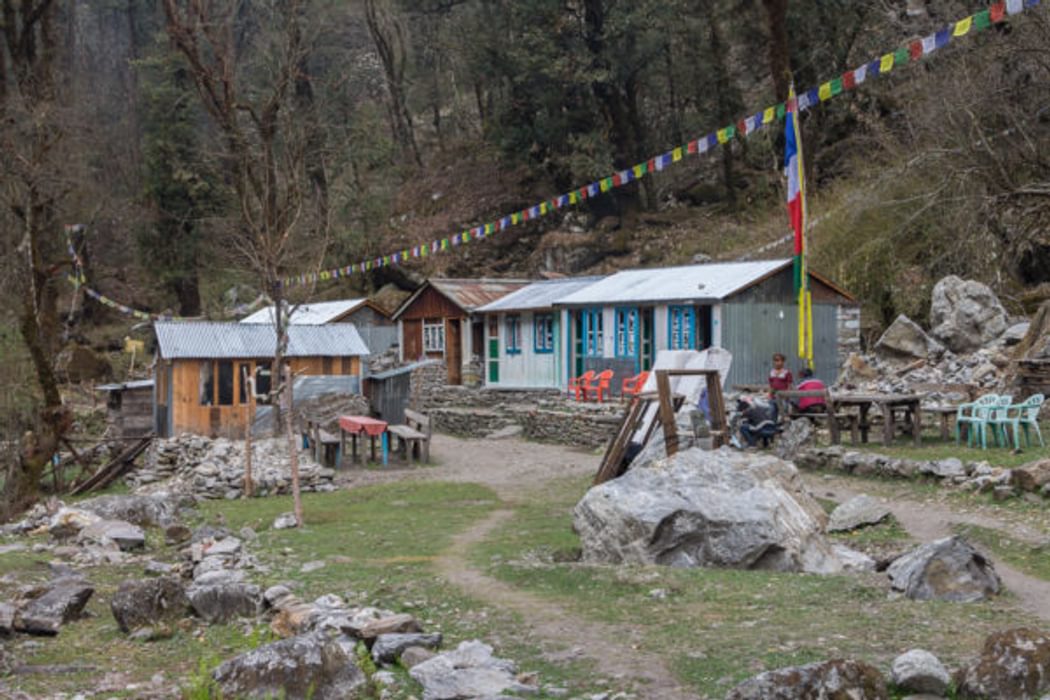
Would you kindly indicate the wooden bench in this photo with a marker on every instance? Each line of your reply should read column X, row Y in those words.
column 323, row 444
column 835, row 419
column 413, row 438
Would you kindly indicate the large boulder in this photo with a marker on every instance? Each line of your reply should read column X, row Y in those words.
column 224, row 599
column 799, row 435
column 1014, row 663
column 1032, row 476
column 945, row 569
column 62, row 602
column 68, row 522
column 719, row 508
column 965, row 314
column 919, row 671
column 857, row 512
column 153, row 510
column 141, row 603
column 388, row 647
column 114, row 533
column 905, row 339
column 469, row 671
column 308, row 666
column 837, row 678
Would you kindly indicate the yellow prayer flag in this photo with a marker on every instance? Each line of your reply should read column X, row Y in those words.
column 572, row 197
column 639, row 171
column 886, row 63
column 963, row 26
column 769, row 115
column 824, row 93
column 723, row 137
column 676, row 155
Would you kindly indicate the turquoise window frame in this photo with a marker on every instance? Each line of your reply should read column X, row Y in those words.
column 593, row 333
column 543, row 334
column 628, row 332
column 686, row 320
column 512, row 326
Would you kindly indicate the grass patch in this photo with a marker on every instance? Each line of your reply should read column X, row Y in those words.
column 716, row 626
column 933, row 448
column 1029, row 558
column 887, row 532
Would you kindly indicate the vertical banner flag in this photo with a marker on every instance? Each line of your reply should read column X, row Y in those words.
column 796, row 204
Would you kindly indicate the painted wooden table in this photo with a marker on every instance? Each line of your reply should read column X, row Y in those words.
column 888, row 405
column 357, row 425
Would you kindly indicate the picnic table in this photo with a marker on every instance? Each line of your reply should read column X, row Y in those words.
column 888, row 405
column 356, row 425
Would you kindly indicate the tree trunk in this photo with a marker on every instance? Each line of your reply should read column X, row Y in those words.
column 779, row 55
column 293, row 450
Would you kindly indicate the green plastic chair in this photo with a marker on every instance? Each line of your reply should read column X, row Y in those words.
column 1025, row 416
column 998, row 420
column 974, row 416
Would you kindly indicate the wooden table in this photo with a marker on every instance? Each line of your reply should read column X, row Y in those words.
column 355, row 425
column 945, row 414
column 887, row 404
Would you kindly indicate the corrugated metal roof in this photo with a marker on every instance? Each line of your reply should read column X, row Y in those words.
column 123, row 386
column 707, row 282
column 539, row 295
column 471, row 294
column 197, row 339
column 312, row 314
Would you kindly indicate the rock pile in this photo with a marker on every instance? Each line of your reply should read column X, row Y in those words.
column 718, row 508
column 212, row 469
column 219, row 591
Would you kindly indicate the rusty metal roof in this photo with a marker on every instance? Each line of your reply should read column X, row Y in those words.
column 203, row 339
column 467, row 294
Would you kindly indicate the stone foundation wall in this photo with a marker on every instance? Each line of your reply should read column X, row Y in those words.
column 848, row 332
column 427, row 379
column 588, row 430
column 445, row 396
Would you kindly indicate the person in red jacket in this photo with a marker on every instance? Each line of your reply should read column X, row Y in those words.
column 780, row 378
column 811, row 404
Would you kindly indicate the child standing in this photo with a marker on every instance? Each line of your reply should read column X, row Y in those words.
column 780, row 378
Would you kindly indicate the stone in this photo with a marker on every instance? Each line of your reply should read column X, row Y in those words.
column 798, row 435
column 943, row 468
column 965, row 314
column 837, row 678
column 273, row 594
column 1013, row 663
column 153, row 510
column 1015, row 333
column 721, row 508
column 293, row 618
column 857, row 512
column 124, row 535
column 413, row 656
column 361, row 617
column 225, row 547
column 308, row 666
column 208, row 532
column 945, row 569
column 1032, row 476
column 852, row 560
column 388, row 647
column 905, row 339
column 146, row 602
column 158, row 568
column 177, row 534
column 67, row 522
column 7, row 619
column 223, row 601
column 919, row 671
column 284, row 521
column 469, row 671
column 510, row 431
column 309, row 566
column 402, row 623
column 62, row 602
column 1003, row 493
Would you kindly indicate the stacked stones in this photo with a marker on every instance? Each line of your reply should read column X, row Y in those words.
column 212, row 469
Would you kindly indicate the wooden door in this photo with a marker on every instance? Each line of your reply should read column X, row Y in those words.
column 454, row 350
column 413, row 339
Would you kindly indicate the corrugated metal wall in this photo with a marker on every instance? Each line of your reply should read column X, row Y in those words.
column 754, row 331
column 378, row 338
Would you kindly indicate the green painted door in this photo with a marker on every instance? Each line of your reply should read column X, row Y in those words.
column 493, row 349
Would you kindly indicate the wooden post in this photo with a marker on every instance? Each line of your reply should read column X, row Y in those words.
column 663, row 388
column 293, row 452
column 249, row 383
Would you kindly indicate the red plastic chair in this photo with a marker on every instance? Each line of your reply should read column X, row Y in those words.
column 578, row 385
column 599, row 385
column 632, row 386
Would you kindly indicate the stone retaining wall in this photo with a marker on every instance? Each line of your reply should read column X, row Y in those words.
column 589, row 430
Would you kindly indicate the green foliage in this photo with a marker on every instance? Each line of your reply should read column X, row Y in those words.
column 201, row 685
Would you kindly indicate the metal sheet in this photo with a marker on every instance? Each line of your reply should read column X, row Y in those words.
column 472, row 294
column 753, row 332
column 539, row 295
column 312, row 314
column 201, row 339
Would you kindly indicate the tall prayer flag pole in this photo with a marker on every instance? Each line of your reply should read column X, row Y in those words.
column 796, row 204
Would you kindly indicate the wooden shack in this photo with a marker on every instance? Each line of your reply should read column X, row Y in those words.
column 129, row 408
column 439, row 320
column 201, row 369
column 373, row 323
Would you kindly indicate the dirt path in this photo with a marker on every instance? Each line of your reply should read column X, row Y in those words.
column 607, row 645
column 517, row 470
column 928, row 521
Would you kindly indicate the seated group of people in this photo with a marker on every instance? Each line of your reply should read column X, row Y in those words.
column 760, row 419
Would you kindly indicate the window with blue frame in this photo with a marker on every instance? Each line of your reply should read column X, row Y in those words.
column 626, row 332
column 513, row 329
column 543, row 333
column 591, row 323
column 681, row 327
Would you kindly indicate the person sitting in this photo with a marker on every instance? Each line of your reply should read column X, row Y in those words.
column 780, row 378
column 811, row 404
column 758, row 421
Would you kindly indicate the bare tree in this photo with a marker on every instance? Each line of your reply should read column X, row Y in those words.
column 30, row 140
column 388, row 35
column 266, row 143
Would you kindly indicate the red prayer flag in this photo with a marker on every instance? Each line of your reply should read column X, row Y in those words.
column 849, row 81
column 915, row 49
column 997, row 12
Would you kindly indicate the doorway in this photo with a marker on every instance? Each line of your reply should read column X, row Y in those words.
column 454, row 351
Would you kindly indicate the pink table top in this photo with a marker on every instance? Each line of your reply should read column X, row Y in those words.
column 357, row 424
